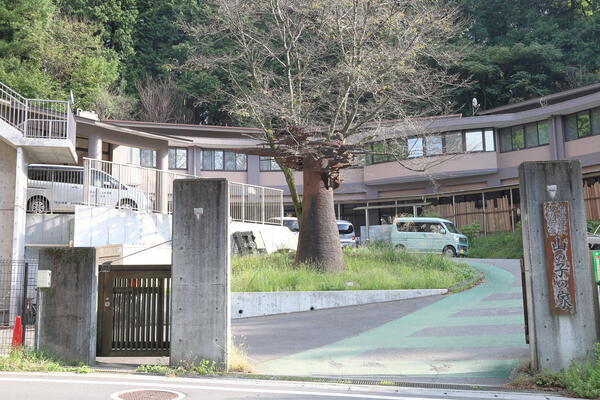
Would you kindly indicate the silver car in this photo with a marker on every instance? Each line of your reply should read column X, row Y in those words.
column 59, row 188
column 347, row 233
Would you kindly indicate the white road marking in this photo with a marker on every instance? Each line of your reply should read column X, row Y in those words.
column 216, row 388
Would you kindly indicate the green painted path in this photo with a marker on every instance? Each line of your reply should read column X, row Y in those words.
column 473, row 334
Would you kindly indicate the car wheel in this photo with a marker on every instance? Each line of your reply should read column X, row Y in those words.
column 38, row 205
column 128, row 205
column 400, row 247
column 449, row 251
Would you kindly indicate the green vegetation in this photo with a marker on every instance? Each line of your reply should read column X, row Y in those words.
column 368, row 268
column 518, row 50
column 592, row 226
column 497, row 245
column 204, row 367
column 38, row 361
column 582, row 379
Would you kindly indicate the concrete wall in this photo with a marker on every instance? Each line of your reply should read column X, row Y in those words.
column 68, row 309
column 49, row 229
column 255, row 304
column 8, row 160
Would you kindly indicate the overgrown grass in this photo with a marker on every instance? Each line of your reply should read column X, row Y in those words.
column 582, row 379
column 368, row 268
column 38, row 361
column 497, row 245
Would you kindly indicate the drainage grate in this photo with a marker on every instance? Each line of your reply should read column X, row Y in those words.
column 147, row 394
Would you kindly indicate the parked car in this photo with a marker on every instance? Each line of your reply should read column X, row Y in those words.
column 59, row 188
column 347, row 233
column 593, row 239
column 428, row 235
column 345, row 229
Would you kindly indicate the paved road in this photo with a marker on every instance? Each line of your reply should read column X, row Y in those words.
column 37, row 386
column 474, row 336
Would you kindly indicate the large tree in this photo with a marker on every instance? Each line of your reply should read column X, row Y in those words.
column 319, row 77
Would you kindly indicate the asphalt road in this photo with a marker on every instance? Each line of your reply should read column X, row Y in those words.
column 35, row 386
column 476, row 336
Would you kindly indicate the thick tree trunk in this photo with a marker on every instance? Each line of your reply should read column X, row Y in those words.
column 319, row 240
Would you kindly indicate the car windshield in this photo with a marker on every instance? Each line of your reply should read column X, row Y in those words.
column 292, row 224
column 345, row 228
column 451, row 228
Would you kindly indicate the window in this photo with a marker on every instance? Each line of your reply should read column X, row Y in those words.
column 454, row 142
column 489, row 140
column 518, row 137
column 143, row 157
column 415, row 147
column 221, row 160
column 269, row 164
column 178, row 158
column 474, row 141
column 434, row 145
column 582, row 124
column 524, row 136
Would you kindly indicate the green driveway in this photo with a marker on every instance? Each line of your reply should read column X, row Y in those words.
column 474, row 334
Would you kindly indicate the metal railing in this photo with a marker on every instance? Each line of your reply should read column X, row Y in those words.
column 37, row 118
column 124, row 186
column 127, row 186
column 257, row 204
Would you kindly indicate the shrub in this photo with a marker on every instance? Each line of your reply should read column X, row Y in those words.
column 471, row 231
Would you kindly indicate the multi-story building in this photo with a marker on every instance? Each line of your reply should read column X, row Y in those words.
column 476, row 182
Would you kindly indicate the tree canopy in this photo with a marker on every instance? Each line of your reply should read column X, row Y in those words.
column 517, row 50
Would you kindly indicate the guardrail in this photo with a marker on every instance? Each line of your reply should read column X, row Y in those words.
column 37, row 118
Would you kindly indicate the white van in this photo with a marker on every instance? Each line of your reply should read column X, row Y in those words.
column 58, row 188
column 428, row 235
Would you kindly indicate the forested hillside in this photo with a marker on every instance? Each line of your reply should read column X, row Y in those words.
column 126, row 58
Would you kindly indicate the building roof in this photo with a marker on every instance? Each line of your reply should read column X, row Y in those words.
column 544, row 101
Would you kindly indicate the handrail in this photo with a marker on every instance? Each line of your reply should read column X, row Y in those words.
column 37, row 118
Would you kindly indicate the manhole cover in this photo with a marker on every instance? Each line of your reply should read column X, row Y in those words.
column 147, row 394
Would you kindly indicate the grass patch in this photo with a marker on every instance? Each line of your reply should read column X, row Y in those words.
column 581, row 379
column 368, row 268
column 497, row 245
column 39, row 361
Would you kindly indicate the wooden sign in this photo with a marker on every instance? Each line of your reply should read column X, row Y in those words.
column 559, row 257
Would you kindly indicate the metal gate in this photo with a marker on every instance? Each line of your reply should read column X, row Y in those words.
column 134, row 310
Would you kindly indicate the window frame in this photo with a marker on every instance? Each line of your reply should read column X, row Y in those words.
column 593, row 129
column 223, row 167
column 523, row 128
column 174, row 160
column 270, row 161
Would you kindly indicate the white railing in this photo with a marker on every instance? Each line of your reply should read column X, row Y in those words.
column 128, row 186
column 37, row 118
column 124, row 186
column 257, row 204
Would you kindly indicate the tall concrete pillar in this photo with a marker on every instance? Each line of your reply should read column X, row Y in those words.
column 94, row 146
column 200, row 322
column 162, row 195
column 68, row 309
column 561, row 295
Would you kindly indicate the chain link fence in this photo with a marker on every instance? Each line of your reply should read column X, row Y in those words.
column 18, row 298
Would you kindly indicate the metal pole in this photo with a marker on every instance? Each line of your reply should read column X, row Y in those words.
column 262, row 206
column 454, row 209
column 512, row 211
column 484, row 212
column 367, row 220
column 26, row 117
column 24, row 303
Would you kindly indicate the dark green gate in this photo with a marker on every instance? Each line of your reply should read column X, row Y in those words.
column 134, row 310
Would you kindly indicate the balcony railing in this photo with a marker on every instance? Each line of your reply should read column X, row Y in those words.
column 37, row 118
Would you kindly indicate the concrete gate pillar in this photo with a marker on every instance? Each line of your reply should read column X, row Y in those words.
column 561, row 295
column 68, row 309
column 200, row 321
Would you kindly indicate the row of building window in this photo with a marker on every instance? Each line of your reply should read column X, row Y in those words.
column 582, row 124
column 220, row 160
column 456, row 142
column 524, row 136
